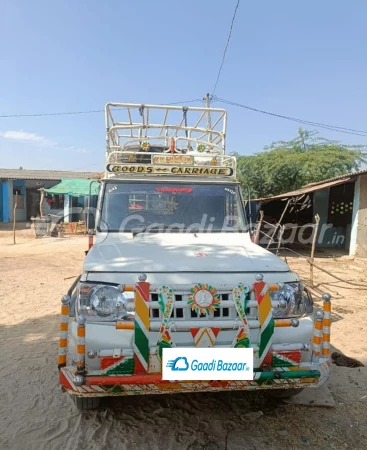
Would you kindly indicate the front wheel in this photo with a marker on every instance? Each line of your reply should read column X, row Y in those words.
column 86, row 403
column 284, row 393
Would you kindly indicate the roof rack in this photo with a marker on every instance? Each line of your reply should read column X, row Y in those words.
column 165, row 135
column 130, row 125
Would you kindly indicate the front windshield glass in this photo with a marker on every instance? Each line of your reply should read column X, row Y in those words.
column 155, row 207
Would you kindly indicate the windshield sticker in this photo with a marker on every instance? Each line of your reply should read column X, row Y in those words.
column 113, row 188
column 135, row 206
column 231, row 191
column 175, row 170
column 173, row 190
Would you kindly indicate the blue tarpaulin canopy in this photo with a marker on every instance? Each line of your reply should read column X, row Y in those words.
column 74, row 187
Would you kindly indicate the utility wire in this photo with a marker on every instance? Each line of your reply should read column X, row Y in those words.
column 92, row 111
column 183, row 103
column 306, row 122
column 226, row 47
column 53, row 114
column 331, row 127
column 338, row 129
column 288, row 117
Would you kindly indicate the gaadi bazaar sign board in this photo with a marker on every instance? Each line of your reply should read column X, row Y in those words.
column 174, row 170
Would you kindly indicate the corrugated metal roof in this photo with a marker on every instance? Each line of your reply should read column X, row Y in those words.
column 307, row 189
column 52, row 175
column 340, row 177
column 318, row 185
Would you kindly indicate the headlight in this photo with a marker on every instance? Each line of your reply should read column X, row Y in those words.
column 294, row 301
column 103, row 301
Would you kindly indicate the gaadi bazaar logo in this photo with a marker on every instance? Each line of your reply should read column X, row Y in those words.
column 198, row 364
column 174, row 170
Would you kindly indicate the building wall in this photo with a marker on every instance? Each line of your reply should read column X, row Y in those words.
column 73, row 210
column 328, row 236
column 1, row 202
column 48, row 210
column 21, row 210
column 7, row 200
column 358, row 241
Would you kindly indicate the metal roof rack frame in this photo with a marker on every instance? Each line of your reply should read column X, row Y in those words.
column 176, row 129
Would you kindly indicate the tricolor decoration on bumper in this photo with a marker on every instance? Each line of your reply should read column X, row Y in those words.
column 166, row 302
column 142, row 324
column 239, row 297
column 265, row 317
column 139, row 372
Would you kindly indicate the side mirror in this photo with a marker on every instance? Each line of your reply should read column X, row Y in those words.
column 90, row 209
column 252, row 211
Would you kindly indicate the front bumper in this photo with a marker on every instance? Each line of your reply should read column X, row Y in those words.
column 282, row 359
column 310, row 375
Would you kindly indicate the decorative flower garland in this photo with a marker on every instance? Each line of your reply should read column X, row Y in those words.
column 203, row 299
column 145, row 146
column 201, row 147
column 166, row 303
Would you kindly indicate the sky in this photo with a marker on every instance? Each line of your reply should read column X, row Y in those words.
column 300, row 59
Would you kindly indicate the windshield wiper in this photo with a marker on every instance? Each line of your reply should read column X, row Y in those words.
column 151, row 227
column 163, row 226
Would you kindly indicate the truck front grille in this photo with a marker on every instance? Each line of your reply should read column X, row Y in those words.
column 182, row 310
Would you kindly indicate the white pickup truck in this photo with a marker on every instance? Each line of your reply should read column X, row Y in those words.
column 173, row 265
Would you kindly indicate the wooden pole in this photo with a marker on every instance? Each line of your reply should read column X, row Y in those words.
column 280, row 221
column 258, row 228
column 15, row 215
column 42, row 209
column 280, row 238
column 315, row 231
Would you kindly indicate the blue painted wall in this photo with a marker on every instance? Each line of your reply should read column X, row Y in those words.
column 21, row 184
column 21, row 212
column 6, row 201
column 1, row 202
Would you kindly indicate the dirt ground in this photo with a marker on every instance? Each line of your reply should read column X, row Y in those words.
column 35, row 414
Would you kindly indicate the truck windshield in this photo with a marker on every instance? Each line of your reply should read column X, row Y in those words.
column 154, row 207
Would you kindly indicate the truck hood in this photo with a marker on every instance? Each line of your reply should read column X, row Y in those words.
column 176, row 252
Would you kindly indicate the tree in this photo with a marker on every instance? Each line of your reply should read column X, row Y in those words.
column 286, row 166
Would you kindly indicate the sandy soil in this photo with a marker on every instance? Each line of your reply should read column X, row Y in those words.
column 35, row 414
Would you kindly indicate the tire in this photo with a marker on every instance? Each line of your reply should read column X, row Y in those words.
column 284, row 393
column 86, row 403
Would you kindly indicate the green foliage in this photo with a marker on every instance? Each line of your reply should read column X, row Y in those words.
column 285, row 166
